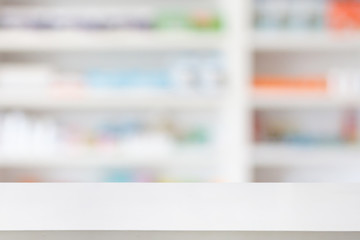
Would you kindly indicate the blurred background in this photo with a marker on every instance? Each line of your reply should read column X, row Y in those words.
column 147, row 91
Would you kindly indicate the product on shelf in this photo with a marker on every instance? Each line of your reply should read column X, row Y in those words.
column 106, row 147
column 350, row 126
column 270, row 14
column 344, row 15
column 290, row 84
column 192, row 75
column 336, row 15
column 140, row 174
column 132, row 175
column 112, row 18
column 307, row 127
column 202, row 75
column 289, row 14
column 122, row 136
column 338, row 82
column 196, row 20
column 206, row 20
column 114, row 174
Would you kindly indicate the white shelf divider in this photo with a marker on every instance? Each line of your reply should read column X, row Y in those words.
column 305, row 41
column 292, row 155
column 31, row 40
column 98, row 157
column 103, row 101
column 305, row 101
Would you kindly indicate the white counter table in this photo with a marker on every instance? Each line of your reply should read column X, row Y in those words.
column 158, row 211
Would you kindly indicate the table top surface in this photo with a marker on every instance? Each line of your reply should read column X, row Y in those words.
column 180, row 207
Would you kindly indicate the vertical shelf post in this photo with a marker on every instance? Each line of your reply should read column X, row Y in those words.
column 235, row 139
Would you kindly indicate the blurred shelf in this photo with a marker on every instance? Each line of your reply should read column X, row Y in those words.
column 292, row 155
column 99, row 159
column 296, row 101
column 86, row 160
column 27, row 40
column 104, row 102
column 305, row 41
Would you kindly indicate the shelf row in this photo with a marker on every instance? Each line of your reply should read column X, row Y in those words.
column 27, row 40
column 305, row 41
column 89, row 102
column 92, row 158
column 289, row 155
column 106, row 102
column 265, row 155
column 47, row 40
column 291, row 102
column 14, row 40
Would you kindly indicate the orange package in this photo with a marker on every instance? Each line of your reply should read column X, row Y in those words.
column 290, row 84
column 344, row 14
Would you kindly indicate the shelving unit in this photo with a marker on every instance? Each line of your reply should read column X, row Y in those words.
column 30, row 45
column 297, row 50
